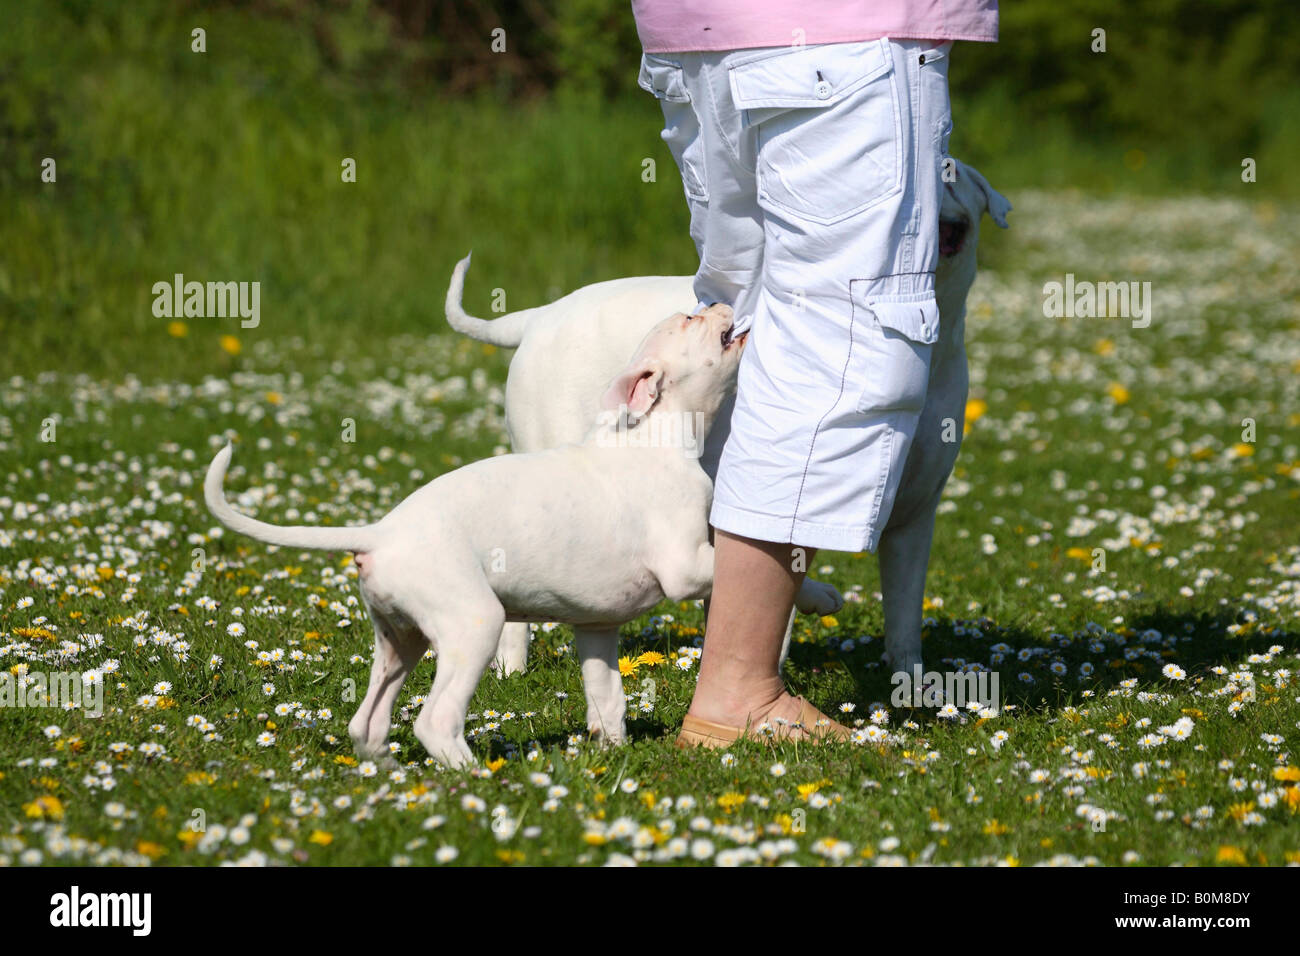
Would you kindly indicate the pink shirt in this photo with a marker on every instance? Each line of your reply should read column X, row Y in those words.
column 675, row 26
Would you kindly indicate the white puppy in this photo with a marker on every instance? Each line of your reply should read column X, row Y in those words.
column 568, row 350
column 591, row 535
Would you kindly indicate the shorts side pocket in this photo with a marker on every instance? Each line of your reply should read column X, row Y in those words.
column 681, row 132
column 902, row 332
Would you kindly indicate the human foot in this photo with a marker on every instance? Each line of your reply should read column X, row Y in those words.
column 786, row 717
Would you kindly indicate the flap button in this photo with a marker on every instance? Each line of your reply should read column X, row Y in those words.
column 822, row 89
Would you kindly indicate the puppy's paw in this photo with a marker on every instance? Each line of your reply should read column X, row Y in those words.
column 818, row 597
column 600, row 738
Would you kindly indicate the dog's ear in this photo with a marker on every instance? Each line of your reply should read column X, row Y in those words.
column 996, row 204
column 636, row 387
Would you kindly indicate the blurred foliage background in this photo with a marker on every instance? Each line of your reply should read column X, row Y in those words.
column 226, row 164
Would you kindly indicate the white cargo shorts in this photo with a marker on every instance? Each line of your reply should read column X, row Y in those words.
column 813, row 175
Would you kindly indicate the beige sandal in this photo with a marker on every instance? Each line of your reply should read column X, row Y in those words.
column 705, row 733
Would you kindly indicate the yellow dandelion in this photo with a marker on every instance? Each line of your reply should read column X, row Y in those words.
column 45, row 807
column 1243, row 449
column 1118, row 393
column 321, row 838
column 729, row 801
column 1230, row 854
column 150, row 849
column 650, row 659
column 975, row 409
column 178, row 330
column 995, row 828
column 1238, row 811
column 231, row 345
column 1292, row 797
column 40, row 633
column 626, row 666
column 495, row 765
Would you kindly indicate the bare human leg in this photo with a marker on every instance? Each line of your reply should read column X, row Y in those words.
column 740, row 686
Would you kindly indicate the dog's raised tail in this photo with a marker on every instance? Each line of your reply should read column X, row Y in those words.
column 506, row 331
column 360, row 538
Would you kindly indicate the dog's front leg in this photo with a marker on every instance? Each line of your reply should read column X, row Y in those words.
column 785, row 641
column 602, row 683
column 904, row 555
column 818, row 597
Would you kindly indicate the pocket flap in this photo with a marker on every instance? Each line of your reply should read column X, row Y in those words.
column 808, row 76
column 919, row 321
column 663, row 78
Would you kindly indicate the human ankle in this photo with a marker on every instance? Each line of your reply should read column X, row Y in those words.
column 737, row 703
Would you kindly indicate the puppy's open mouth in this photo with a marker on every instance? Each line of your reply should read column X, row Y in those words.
column 728, row 339
column 952, row 236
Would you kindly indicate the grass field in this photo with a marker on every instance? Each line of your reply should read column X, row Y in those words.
column 1119, row 540
column 1151, row 709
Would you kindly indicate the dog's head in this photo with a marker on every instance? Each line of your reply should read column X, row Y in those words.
column 687, row 363
column 965, row 201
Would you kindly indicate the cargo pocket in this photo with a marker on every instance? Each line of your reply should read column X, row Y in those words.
column 901, row 333
column 681, row 131
column 827, row 127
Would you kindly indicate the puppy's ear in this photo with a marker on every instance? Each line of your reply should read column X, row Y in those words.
column 996, row 204
column 636, row 387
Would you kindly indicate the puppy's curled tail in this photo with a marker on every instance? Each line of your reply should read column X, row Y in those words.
column 360, row 538
column 506, row 332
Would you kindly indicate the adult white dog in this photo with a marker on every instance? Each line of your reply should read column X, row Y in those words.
column 568, row 351
column 592, row 535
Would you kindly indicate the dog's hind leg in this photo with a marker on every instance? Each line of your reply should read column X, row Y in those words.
column 904, row 554
column 466, row 625
column 396, row 654
column 512, row 649
column 602, row 683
